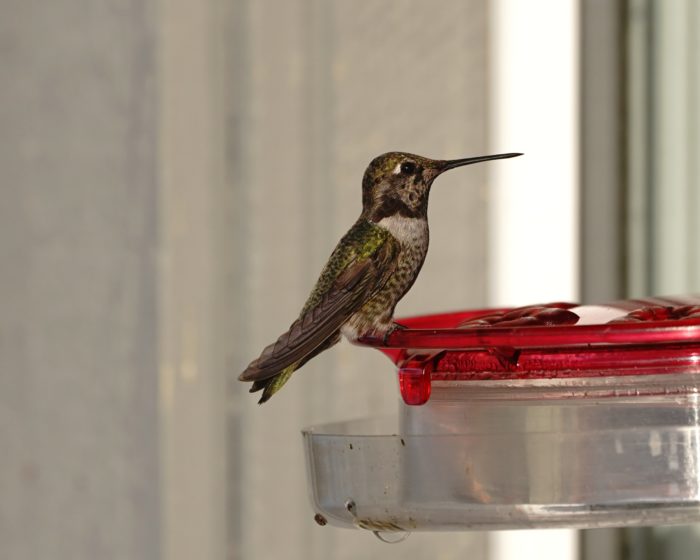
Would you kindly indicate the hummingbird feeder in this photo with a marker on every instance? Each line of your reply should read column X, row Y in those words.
column 556, row 415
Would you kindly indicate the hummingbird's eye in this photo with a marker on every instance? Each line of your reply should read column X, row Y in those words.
column 408, row 168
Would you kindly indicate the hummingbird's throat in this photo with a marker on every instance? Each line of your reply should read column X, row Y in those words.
column 390, row 206
column 406, row 230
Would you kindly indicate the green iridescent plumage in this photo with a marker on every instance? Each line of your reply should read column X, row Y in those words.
column 364, row 243
column 361, row 242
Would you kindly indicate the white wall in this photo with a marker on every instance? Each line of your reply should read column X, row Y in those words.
column 79, row 474
column 533, row 218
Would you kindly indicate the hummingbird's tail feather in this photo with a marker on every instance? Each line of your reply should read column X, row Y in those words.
column 271, row 385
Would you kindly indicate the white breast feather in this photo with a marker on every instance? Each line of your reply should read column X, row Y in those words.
column 407, row 231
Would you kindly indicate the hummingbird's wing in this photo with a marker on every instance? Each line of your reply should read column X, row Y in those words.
column 363, row 276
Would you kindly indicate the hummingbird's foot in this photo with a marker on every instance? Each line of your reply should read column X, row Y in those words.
column 394, row 327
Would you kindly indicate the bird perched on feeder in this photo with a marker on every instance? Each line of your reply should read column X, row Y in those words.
column 375, row 263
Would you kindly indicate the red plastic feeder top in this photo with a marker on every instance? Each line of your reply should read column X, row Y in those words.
column 555, row 340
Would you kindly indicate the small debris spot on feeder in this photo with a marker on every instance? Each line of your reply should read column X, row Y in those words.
column 318, row 518
column 403, row 442
column 350, row 445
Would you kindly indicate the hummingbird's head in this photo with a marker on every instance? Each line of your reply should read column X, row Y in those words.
column 397, row 183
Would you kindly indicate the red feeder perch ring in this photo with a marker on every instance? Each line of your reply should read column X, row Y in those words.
column 551, row 341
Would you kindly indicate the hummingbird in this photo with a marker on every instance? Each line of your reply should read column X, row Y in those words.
column 373, row 266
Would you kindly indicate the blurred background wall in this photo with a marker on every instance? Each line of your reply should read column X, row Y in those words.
column 79, row 242
column 175, row 174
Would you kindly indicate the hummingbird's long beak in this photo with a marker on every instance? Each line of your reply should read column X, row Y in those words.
column 452, row 163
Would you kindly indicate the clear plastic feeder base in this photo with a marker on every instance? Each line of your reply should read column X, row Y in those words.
column 548, row 439
column 574, row 461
